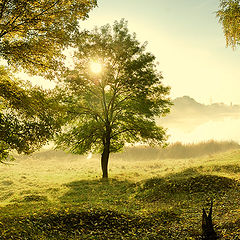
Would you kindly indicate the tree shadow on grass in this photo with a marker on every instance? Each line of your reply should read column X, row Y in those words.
column 109, row 210
column 98, row 193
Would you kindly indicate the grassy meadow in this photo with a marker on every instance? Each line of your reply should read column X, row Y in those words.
column 54, row 195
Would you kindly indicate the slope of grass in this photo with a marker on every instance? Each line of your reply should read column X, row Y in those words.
column 61, row 196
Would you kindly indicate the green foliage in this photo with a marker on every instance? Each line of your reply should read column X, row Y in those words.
column 33, row 33
column 229, row 17
column 119, row 104
column 28, row 116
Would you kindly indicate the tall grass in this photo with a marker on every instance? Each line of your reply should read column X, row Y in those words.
column 178, row 150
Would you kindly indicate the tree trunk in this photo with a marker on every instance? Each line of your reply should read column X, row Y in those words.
column 104, row 158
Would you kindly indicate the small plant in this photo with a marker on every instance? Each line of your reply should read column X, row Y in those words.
column 207, row 225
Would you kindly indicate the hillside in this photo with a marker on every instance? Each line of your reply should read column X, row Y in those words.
column 50, row 198
column 187, row 107
column 190, row 121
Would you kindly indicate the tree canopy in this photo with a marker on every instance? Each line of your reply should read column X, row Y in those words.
column 113, row 94
column 33, row 33
column 28, row 116
column 229, row 17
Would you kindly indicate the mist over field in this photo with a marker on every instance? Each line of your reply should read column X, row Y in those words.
column 192, row 122
column 57, row 195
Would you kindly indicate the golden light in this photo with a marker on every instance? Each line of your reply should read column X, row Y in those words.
column 89, row 156
column 107, row 88
column 96, row 67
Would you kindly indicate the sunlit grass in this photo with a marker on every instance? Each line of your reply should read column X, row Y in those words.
column 65, row 187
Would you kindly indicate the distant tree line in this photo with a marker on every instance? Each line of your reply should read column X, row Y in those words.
column 177, row 150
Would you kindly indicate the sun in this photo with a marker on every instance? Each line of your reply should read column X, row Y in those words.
column 95, row 67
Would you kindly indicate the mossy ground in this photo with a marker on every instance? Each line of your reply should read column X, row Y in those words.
column 60, row 196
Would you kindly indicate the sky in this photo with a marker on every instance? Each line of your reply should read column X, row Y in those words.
column 186, row 39
column 190, row 46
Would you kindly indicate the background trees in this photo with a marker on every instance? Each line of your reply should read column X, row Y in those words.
column 229, row 17
column 118, row 104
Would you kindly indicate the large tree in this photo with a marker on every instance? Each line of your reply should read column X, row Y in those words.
column 229, row 16
column 33, row 33
column 28, row 116
column 113, row 94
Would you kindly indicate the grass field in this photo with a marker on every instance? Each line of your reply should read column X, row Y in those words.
column 53, row 195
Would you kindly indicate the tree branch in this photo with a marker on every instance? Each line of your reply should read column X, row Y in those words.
column 2, row 8
column 25, row 21
column 123, row 131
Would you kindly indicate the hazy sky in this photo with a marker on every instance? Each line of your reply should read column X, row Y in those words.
column 187, row 40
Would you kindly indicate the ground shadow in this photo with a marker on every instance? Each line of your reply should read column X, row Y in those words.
column 98, row 192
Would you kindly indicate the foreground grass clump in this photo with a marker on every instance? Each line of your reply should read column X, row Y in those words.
column 74, row 224
column 62, row 197
column 209, row 185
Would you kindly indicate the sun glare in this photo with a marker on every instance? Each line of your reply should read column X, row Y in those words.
column 89, row 156
column 95, row 67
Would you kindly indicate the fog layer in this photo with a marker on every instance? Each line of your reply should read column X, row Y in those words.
column 190, row 121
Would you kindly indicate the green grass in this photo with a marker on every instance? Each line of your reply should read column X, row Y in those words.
column 52, row 195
